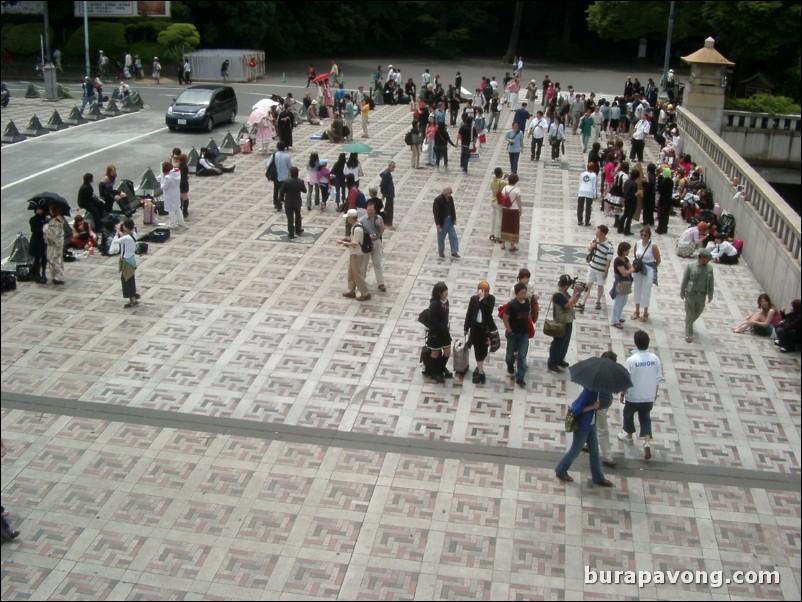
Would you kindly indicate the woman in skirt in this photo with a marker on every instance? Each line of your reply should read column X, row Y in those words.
column 438, row 339
column 124, row 243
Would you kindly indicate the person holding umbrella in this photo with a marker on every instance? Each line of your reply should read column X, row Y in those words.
column 54, row 238
column 584, row 410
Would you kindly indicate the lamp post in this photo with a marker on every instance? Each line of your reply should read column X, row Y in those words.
column 664, row 81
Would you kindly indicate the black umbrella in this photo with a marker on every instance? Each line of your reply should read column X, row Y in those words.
column 43, row 199
column 601, row 375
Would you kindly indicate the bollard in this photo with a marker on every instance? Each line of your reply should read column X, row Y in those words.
column 94, row 113
column 127, row 106
column 54, row 124
column 11, row 134
column 193, row 158
column 229, row 146
column 149, row 184
column 113, row 110
column 34, row 128
column 75, row 117
column 31, row 92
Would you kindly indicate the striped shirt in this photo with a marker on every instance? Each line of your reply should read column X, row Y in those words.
column 602, row 256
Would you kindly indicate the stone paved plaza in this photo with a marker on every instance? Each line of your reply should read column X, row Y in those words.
column 248, row 433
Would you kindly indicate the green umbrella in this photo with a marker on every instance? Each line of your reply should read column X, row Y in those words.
column 357, row 147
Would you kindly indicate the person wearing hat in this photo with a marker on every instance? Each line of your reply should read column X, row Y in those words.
column 89, row 93
column 157, row 69
column 357, row 259
column 311, row 113
column 698, row 283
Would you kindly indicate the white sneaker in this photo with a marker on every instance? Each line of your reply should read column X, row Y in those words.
column 625, row 438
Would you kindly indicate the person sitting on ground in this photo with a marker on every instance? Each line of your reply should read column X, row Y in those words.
column 111, row 195
column 311, row 114
column 336, row 132
column 82, row 234
column 789, row 328
column 762, row 321
column 722, row 250
column 691, row 239
column 89, row 202
column 207, row 166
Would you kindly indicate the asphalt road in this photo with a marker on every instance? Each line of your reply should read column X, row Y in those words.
column 56, row 162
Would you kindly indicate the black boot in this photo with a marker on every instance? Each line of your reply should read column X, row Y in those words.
column 443, row 370
column 432, row 368
column 477, row 378
column 185, row 208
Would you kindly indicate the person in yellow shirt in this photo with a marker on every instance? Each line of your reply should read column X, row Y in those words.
column 365, row 110
column 497, row 183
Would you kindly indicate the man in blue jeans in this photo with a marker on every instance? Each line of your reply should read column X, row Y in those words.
column 516, row 324
column 445, row 219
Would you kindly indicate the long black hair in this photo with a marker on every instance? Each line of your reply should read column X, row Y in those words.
column 438, row 290
column 314, row 161
column 353, row 160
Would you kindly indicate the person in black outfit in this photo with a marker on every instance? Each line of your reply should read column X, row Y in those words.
column 453, row 106
column 458, row 86
column 790, row 327
column 37, row 246
column 465, row 136
column 478, row 326
column 665, row 191
column 89, row 202
column 438, row 339
column 649, row 194
column 286, row 121
column 594, row 156
column 290, row 195
column 630, row 203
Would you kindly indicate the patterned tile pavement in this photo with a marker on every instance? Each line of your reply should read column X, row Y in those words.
column 239, row 323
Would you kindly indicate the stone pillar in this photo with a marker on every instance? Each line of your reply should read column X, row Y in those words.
column 706, row 86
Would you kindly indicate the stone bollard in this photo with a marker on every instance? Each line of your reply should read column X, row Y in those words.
column 11, row 134
column 54, row 124
column 35, row 128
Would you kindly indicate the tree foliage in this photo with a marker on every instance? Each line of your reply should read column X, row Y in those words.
column 632, row 20
column 765, row 103
column 109, row 37
column 23, row 39
column 179, row 38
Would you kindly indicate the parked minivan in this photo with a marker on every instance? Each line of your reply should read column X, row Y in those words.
column 202, row 107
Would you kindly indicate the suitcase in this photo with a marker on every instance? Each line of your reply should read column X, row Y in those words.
column 459, row 355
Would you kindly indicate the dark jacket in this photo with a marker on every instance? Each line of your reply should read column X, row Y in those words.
column 438, row 318
column 486, row 306
column 290, row 192
column 387, row 187
column 444, row 206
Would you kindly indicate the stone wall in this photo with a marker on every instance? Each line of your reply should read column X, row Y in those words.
column 769, row 228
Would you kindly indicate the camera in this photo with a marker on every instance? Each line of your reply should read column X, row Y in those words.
column 579, row 287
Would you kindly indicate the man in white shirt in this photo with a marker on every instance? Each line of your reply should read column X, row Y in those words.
column 598, row 121
column 689, row 241
column 587, row 192
column 425, row 78
column 537, row 132
column 642, row 128
column 646, row 373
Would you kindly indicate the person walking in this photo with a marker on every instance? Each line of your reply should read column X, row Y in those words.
column 697, row 284
column 431, row 130
column 584, row 409
column 465, row 137
column 630, row 202
column 124, row 243
column 516, row 325
column 588, row 189
column 357, row 259
column 563, row 314
column 478, row 326
column 290, row 195
column 445, row 220
column 515, row 139
column 537, row 132
column 413, row 140
column 646, row 373
column 556, row 138
column 282, row 163
column 511, row 214
column 441, row 142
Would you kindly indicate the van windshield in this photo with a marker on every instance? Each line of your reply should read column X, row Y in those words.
column 194, row 97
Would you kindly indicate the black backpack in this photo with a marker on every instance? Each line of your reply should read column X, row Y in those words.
column 367, row 243
column 271, row 173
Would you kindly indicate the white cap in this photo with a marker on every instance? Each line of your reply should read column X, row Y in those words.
column 351, row 213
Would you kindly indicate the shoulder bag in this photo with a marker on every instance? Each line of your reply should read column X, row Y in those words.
column 553, row 328
column 637, row 263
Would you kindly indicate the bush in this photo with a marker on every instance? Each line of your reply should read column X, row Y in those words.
column 23, row 40
column 765, row 103
column 108, row 37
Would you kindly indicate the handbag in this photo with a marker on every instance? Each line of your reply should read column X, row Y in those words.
column 493, row 340
column 571, row 423
column 637, row 263
column 552, row 328
column 623, row 287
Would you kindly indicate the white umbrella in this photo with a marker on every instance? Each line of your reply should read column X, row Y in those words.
column 265, row 103
column 465, row 93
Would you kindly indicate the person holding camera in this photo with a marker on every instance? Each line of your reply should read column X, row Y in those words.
column 564, row 314
column 124, row 243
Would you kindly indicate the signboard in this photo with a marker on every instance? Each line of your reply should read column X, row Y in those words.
column 23, row 8
column 121, row 9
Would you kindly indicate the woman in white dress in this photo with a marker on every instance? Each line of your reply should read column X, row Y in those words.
column 649, row 254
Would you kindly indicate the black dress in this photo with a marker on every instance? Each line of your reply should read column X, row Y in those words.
column 478, row 332
column 285, row 123
column 439, row 336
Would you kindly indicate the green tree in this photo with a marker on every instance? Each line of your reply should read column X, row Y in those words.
column 632, row 20
column 179, row 38
column 23, row 39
